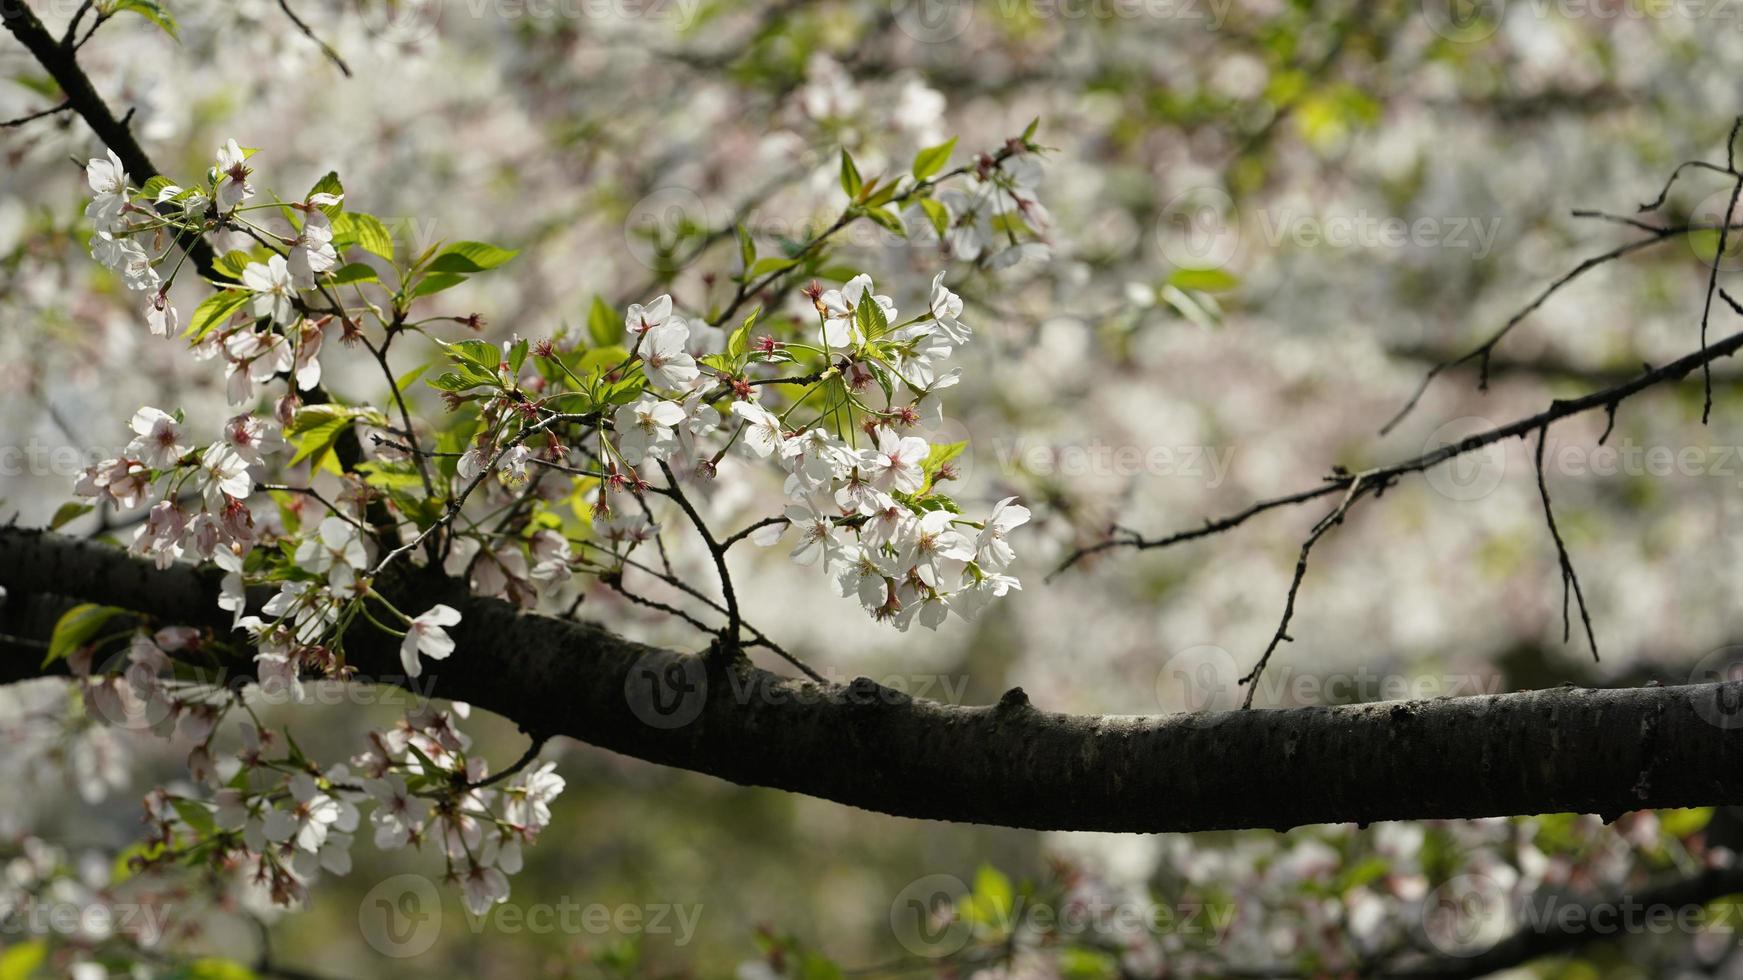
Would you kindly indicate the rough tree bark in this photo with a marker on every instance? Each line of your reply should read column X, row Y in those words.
column 1013, row 764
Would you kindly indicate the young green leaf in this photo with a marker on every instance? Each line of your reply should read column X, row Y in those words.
column 936, row 213
column 851, row 182
column 747, row 249
column 329, row 185
column 366, row 230
column 932, row 159
column 354, row 272
column 214, row 310
column 151, row 10
column 469, row 257
column 77, row 627
column 603, row 326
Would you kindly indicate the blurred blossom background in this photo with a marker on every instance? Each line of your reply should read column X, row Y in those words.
column 1264, row 223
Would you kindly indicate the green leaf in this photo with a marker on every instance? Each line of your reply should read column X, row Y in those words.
column 42, row 85
column 939, row 454
column 316, row 428
column 123, row 866
column 816, row 966
column 433, row 284
column 457, row 383
column 366, row 230
column 771, row 264
column 232, row 263
column 214, row 310
column 889, row 219
column 1206, row 280
column 739, row 342
column 936, row 213
column 77, row 627
column 149, row 9
column 213, row 968
column 747, row 249
column 406, row 380
column 603, row 325
column 625, row 391
column 1029, row 130
column 196, row 816
column 470, row 257
column 1682, row 823
column 1198, row 308
column 19, row 961
column 932, row 159
column 603, row 358
column 153, row 187
column 329, row 185
column 354, row 272
column 479, row 354
column 68, row 512
column 1080, row 963
column 851, row 182
column 517, row 355
column 993, row 899
column 870, row 316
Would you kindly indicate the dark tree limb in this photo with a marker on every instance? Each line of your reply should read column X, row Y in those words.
column 1565, row 749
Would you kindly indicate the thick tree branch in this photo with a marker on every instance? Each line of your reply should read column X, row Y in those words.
column 1011, row 764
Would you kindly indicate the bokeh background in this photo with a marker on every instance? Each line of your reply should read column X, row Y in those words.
column 1268, row 221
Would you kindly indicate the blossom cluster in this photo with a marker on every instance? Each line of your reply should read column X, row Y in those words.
column 650, row 410
column 859, row 512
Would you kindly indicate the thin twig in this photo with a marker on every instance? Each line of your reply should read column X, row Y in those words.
column 21, row 120
column 1325, row 524
column 1602, row 399
column 1569, row 580
column 309, row 33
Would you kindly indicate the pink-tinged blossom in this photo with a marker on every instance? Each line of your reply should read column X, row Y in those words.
column 664, row 359
column 896, row 463
column 158, row 438
column 640, row 319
